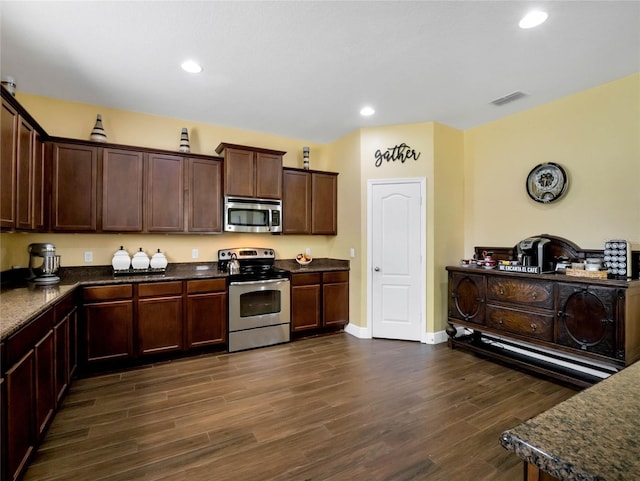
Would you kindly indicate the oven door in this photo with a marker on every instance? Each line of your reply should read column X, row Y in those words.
column 259, row 303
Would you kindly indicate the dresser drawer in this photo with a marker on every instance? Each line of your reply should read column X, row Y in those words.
column 539, row 326
column 526, row 291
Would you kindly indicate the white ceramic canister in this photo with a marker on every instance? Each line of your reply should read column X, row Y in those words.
column 159, row 260
column 121, row 260
column 140, row 260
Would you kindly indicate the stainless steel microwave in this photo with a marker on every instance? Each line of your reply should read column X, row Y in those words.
column 252, row 215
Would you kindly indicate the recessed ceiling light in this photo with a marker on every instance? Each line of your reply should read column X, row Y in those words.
column 533, row 19
column 191, row 66
column 367, row 111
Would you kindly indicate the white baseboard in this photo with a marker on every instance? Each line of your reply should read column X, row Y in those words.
column 365, row 333
column 435, row 337
column 357, row 331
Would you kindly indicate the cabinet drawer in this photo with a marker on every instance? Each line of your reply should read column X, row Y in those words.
column 527, row 292
column 306, row 279
column 65, row 306
column 23, row 340
column 206, row 285
column 160, row 289
column 528, row 324
column 335, row 276
column 105, row 293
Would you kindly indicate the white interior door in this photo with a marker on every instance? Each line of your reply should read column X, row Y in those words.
column 397, row 259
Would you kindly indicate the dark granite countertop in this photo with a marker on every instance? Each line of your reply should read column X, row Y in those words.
column 20, row 302
column 593, row 436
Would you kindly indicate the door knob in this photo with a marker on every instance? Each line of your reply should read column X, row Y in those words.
column 377, row 269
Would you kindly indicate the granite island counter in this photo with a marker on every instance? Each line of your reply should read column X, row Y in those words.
column 593, row 436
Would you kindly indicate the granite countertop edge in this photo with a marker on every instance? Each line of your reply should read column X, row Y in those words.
column 589, row 437
column 21, row 302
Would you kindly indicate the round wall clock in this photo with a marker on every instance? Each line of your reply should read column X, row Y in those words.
column 547, row 182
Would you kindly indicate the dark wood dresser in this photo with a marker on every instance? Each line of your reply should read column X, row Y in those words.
column 574, row 329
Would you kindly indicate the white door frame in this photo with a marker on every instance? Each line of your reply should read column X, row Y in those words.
column 423, row 251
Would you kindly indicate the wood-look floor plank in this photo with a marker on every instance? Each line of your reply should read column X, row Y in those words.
column 331, row 408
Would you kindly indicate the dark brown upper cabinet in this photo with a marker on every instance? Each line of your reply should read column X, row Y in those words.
column 74, row 190
column 203, row 188
column 309, row 202
column 122, row 189
column 164, row 182
column 251, row 171
column 22, row 164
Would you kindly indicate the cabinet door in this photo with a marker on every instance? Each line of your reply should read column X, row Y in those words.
column 73, row 343
column 239, row 173
column 39, row 183
column 74, row 187
column 8, row 149
column 122, row 190
column 587, row 319
column 335, row 298
column 24, row 175
column 61, row 353
column 296, row 202
column 305, row 307
column 109, row 330
column 204, row 195
column 44, row 394
column 206, row 319
column 164, row 198
column 159, row 325
column 268, row 176
column 466, row 297
column 21, row 423
column 324, row 204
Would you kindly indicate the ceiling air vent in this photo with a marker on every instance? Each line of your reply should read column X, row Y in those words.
column 508, row 98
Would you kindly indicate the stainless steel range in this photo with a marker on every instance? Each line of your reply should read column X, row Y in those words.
column 259, row 298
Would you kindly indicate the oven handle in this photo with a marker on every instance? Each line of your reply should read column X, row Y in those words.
column 253, row 283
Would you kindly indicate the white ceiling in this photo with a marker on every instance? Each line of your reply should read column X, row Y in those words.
column 303, row 69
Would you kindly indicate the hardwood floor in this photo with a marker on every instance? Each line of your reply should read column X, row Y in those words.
column 328, row 408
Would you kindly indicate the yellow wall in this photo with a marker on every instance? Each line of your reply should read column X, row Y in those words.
column 475, row 183
column 594, row 135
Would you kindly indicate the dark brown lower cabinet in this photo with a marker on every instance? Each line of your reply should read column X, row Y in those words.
column 319, row 300
column 306, row 307
column 61, row 361
column 335, row 298
column 108, row 323
column 21, row 419
column 44, row 394
column 159, row 320
column 206, row 321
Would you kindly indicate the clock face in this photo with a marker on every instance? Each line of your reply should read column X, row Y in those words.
column 547, row 182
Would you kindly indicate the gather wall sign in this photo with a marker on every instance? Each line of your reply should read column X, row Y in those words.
column 401, row 152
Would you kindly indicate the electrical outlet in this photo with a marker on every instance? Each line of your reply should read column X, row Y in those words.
column 195, row 253
column 352, row 252
column 308, row 251
column 88, row 256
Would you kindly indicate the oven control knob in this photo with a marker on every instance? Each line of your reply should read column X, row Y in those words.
column 222, row 254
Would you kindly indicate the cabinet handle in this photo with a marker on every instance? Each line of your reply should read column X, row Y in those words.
column 534, row 295
column 501, row 291
column 606, row 321
column 534, row 327
column 501, row 321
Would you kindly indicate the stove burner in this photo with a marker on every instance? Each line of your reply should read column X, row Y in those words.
column 256, row 263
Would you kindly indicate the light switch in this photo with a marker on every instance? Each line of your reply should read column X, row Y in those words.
column 88, row 256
